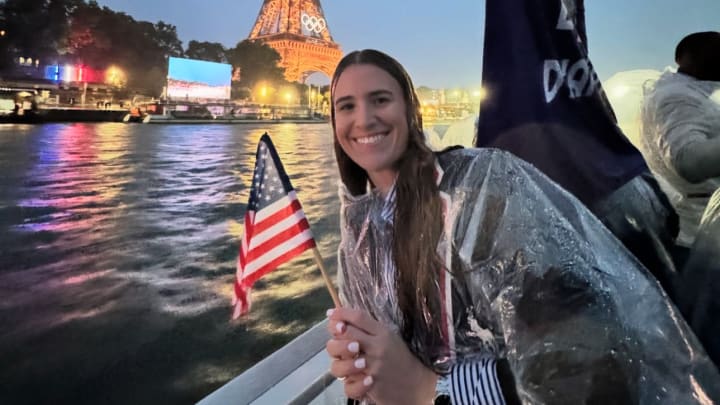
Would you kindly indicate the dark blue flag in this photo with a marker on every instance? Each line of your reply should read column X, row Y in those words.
column 545, row 102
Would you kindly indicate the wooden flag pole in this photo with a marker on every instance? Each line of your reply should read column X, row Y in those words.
column 328, row 283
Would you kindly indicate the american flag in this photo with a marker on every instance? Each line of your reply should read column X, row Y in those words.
column 276, row 229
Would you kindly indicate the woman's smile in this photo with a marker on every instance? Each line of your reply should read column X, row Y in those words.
column 371, row 139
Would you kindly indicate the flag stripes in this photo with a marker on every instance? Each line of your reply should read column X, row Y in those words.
column 276, row 229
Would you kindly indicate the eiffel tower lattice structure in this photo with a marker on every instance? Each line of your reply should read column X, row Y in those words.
column 298, row 31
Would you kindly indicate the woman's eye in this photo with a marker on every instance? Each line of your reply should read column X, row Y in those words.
column 345, row 107
column 381, row 100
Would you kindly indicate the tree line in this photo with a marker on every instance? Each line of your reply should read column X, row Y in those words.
column 82, row 32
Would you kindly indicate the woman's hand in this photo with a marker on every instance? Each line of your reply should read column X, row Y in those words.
column 375, row 362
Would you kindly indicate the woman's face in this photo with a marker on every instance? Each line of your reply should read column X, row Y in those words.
column 370, row 121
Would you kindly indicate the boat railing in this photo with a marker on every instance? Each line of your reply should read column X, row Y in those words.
column 295, row 374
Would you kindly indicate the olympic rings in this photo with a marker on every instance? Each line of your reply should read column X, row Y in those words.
column 313, row 23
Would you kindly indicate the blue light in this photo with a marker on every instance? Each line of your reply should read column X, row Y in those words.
column 52, row 72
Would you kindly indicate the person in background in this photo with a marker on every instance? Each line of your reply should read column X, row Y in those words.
column 467, row 276
column 680, row 137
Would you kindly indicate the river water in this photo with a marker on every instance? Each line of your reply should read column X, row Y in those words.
column 117, row 257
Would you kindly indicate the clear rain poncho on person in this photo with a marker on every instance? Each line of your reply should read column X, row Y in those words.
column 538, row 280
column 678, row 110
column 699, row 300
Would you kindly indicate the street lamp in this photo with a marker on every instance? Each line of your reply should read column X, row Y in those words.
column 115, row 76
column 261, row 91
column 480, row 94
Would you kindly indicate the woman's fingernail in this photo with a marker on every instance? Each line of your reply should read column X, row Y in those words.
column 360, row 363
column 329, row 312
column 354, row 347
column 368, row 381
column 340, row 327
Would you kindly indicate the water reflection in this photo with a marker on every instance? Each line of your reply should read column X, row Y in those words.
column 119, row 242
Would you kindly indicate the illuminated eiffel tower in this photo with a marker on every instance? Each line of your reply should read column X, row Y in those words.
column 298, row 31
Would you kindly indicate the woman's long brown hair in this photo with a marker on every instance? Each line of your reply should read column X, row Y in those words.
column 418, row 212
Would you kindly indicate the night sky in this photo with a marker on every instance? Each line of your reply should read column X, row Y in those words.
column 440, row 42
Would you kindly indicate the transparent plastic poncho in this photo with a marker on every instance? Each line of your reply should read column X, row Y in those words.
column 700, row 297
column 538, row 280
column 677, row 111
column 708, row 238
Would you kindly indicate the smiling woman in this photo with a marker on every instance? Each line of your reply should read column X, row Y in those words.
column 468, row 274
column 370, row 121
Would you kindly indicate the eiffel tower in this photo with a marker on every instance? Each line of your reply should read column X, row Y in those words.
column 298, row 31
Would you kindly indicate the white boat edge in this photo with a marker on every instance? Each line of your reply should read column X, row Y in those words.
column 297, row 373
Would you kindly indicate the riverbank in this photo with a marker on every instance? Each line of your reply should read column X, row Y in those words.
column 62, row 115
column 165, row 119
column 69, row 114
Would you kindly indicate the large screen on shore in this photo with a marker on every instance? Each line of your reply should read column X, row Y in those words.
column 190, row 79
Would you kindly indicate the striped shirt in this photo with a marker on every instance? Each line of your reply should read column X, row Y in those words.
column 475, row 383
